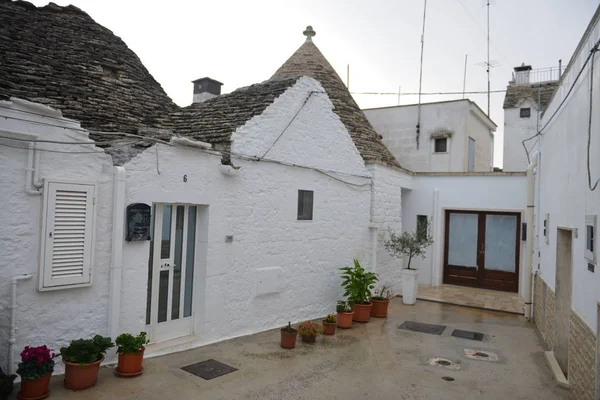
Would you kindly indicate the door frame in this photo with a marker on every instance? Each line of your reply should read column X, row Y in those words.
column 170, row 329
column 480, row 273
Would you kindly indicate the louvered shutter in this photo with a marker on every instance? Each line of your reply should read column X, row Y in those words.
column 68, row 235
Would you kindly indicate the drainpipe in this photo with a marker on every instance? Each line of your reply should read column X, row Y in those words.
column 434, row 222
column 12, row 338
column 32, row 181
column 116, row 277
column 529, row 246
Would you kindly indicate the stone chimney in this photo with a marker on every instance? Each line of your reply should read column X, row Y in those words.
column 522, row 74
column 206, row 88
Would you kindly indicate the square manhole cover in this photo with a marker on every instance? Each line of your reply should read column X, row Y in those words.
column 209, row 369
column 422, row 327
column 467, row 335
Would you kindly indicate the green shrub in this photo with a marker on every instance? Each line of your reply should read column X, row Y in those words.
column 129, row 344
column 358, row 283
column 85, row 351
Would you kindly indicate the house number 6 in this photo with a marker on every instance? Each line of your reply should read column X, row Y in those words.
column 185, row 178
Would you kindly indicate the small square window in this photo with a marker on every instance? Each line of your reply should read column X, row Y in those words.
column 305, row 205
column 441, row 145
column 590, row 238
column 422, row 226
column 525, row 112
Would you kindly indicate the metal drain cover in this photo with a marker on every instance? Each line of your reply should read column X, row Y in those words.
column 209, row 369
column 482, row 355
column 444, row 362
column 422, row 327
column 467, row 335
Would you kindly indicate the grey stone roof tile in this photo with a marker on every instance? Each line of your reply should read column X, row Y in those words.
column 309, row 61
column 515, row 94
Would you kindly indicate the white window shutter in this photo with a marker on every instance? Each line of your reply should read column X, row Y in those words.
column 68, row 232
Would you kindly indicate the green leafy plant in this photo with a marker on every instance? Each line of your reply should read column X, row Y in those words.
column 330, row 319
column 358, row 283
column 129, row 344
column 85, row 351
column 408, row 244
column 289, row 329
column 36, row 362
column 309, row 328
column 383, row 293
column 343, row 307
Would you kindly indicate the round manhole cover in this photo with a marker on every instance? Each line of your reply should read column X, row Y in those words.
column 448, row 378
column 443, row 362
column 481, row 354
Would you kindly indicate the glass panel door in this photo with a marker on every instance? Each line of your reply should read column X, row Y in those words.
column 500, row 242
column 461, row 250
column 171, row 271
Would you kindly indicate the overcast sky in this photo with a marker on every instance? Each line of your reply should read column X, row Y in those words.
column 244, row 42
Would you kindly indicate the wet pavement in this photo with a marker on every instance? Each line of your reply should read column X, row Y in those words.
column 370, row 361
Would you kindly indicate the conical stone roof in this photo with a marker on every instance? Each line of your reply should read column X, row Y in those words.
column 309, row 61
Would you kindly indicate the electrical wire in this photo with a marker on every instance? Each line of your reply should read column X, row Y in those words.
column 72, row 152
column 289, row 123
column 589, row 141
column 539, row 132
column 428, row 93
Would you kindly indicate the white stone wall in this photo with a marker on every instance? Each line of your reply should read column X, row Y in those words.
column 397, row 125
column 517, row 129
column 258, row 207
column 387, row 216
column 485, row 192
column 564, row 178
column 480, row 131
column 55, row 317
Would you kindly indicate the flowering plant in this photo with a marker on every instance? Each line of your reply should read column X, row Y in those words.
column 330, row 319
column 129, row 344
column 36, row 362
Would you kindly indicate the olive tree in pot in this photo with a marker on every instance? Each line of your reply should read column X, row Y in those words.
column 358, row 284
column 411, row 245
column 82, row 360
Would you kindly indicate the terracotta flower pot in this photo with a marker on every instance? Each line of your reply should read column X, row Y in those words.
column 380, row 308
column 308, row 339
column 329, row 328
column 288, row 340
column 344, row 320
column 130, row 364
column 81, row 376
column 35, row 388
column 362, row 312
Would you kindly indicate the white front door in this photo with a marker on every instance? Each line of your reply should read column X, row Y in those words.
column 171, row 272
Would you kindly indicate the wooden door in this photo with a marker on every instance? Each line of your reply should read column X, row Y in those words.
column 482, row 249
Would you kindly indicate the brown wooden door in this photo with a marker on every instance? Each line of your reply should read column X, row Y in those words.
column 482, row 249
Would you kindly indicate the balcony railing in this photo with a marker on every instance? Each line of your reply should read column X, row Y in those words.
column 536, row 76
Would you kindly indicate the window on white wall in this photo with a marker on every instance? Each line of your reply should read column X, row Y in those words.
column 67, row 235
column 525, row 112
column 547, row 228
column 305, row 205
column 422, row 225
column 440, row 145
column 590, row 238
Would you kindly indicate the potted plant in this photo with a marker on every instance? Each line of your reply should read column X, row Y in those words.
column 344, row 314
column 329, row 324
column 381, row 301
column 412, row 245
column 35, row 368
column 309, row 331
column 288, row 337
column 131, row 353
column 358, row 284
column 82, row 360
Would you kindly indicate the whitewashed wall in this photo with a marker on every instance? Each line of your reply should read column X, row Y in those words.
column 55, row 317
column 482, row 192
column 397, row 125
column 478, row 127
column 564, row 179
column 259, row 208
column 517, row 129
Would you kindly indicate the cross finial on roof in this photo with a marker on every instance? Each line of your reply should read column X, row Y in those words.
column 309, row 33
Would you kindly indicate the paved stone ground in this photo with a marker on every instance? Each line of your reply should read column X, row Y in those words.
column 370, row 361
